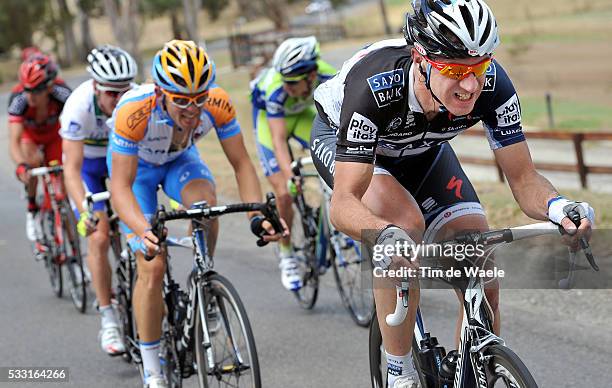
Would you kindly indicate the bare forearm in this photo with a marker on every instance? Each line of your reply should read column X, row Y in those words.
column 532, row 194
column 350, row 216
column 127, row 208
column 281, row 150
column 249, row 188
column 74, row 186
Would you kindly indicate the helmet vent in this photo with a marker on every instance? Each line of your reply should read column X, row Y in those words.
column 467, row 19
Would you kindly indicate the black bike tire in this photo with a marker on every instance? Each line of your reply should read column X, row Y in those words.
column 54, row 270
column 377, row 370
column 71, row 238
column 363, row 322
column 505, row 357
column 222, row 287
column 126, row 278
column 310, row 281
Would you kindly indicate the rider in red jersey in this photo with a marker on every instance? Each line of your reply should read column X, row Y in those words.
column 34, row 109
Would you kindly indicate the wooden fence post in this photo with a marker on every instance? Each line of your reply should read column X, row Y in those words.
column 582, row 170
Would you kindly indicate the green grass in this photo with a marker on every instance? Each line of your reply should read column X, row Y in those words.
column 568, row 114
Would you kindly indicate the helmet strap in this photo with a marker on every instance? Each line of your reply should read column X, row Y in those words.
column 427, row 76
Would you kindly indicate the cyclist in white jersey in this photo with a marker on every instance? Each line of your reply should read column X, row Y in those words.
column 85, row 139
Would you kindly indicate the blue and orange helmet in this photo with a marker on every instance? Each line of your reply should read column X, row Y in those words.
column 183, row 67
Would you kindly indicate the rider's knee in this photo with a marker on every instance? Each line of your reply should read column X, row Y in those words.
column 152, row 273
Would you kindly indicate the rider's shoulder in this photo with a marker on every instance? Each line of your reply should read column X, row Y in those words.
column 82, row 95
column 133, row 112
column 219, row 105
column 60, row 90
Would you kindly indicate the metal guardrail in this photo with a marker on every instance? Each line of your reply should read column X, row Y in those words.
column 576, row 138
column 257, row 48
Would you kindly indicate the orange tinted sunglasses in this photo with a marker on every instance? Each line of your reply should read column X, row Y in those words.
column 183, row 100
column 460, row 71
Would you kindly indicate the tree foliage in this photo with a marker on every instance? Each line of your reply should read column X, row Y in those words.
column 19, row 20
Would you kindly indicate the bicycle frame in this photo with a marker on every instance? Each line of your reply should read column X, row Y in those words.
column 476, row 328
column 53, row 194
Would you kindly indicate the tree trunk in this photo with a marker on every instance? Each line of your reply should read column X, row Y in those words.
column 383, row 11
column 67, row 20
column 126, row 24
column 276, row 10
column 248, row 10
column 87, row 42
column 177, row 28
column 112, row 14
column 132, row 24
column 191, row 8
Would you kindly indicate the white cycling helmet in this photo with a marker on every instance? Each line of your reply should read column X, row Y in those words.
column 296, row 56
column 452, row 28
column 110, row 65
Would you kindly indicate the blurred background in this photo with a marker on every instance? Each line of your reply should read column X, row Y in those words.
column 557, row 53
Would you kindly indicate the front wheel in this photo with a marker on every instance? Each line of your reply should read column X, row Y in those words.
column 52, row 264
column 229, row 357
column 378, row 361
column 505, row 369
column 74, row 262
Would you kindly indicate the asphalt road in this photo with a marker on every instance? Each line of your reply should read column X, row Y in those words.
column 563, row 337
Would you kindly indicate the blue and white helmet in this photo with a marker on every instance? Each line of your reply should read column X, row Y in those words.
column 296, row 56
column 452, row 28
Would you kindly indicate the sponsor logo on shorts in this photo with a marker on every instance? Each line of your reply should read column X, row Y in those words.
column 387, row 87
column 509, row 113
column 361, row 129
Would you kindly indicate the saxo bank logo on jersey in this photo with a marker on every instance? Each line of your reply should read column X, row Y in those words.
column 361, row 129
column 387, row 87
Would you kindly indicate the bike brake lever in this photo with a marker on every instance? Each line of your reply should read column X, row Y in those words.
column 574, row 216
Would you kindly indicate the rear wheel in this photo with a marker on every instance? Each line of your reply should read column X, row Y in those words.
column 77, row 279
column 303, row 241
column 230, row 359
column 353, row 286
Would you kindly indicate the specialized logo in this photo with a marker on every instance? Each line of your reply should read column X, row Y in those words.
column 387, row 87
column 509, row 113
column 489, row 84
column 455, row 184
column 361, row 129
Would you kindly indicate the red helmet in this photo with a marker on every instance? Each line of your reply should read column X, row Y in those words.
column 37, row 70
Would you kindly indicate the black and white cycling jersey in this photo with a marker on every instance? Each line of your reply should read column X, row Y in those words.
column 372, row 105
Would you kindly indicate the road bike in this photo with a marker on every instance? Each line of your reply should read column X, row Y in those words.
column 125, row 276
column 318, row 245
column 57, row 243
column 206, row 330
column 482, row 360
